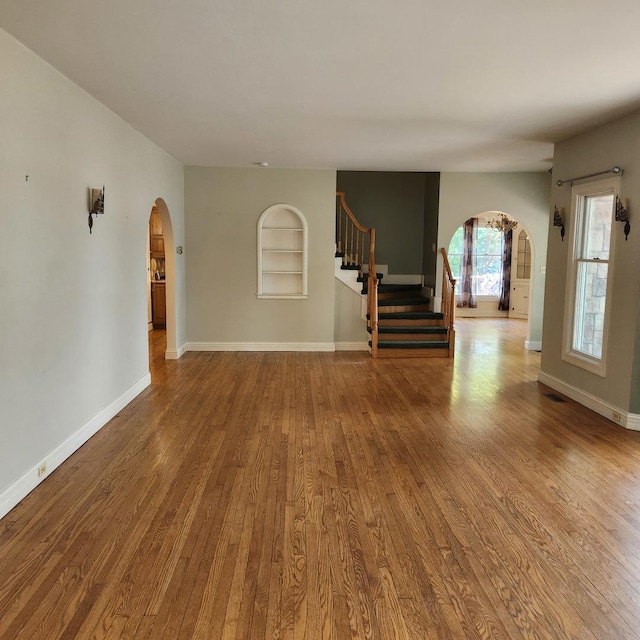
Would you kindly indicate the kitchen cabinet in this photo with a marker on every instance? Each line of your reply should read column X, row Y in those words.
column 158, row 305
column 519, row 301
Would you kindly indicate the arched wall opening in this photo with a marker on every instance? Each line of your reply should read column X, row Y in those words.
column 171, row 352
column 488, row 308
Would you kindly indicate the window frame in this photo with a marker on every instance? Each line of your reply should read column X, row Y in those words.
column 579, row 193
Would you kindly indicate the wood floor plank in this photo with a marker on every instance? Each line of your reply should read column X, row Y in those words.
column 331, row 496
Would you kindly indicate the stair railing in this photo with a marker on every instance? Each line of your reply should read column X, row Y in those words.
column 448, row 301
column 354, row 243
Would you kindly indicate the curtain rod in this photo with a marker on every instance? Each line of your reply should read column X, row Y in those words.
column 615, row 169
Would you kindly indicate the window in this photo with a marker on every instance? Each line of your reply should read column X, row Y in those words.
column 588, row 273
column 523, row 264
column 487, row 260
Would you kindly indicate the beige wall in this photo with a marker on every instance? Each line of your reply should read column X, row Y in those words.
column 523, row 196
column 73, row 313
column 222, row 207
column 350, row 328
column 617, row 143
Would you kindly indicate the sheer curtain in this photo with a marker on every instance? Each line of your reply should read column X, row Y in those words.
column 505, row 298
column 466, row 297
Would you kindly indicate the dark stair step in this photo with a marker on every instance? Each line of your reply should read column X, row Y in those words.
column 410, row 319
column 410, row 330
column 411, row 315
column 403, row 302
column 412, row 349
column 412, row 344
column 413, row 333
column 395, row 289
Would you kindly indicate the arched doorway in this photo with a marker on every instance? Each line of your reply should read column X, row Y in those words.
column 488, row 234
column 161, row 280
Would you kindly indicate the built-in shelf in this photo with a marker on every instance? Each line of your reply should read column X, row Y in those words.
column 282, row 253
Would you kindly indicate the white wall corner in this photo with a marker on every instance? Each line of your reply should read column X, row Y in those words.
column 615, row 415
column 533, row 345
column 175, row 354
column 631, row 421
column 348, row 277
column 29, row 480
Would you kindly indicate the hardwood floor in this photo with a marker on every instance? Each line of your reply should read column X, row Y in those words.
column 299, row 495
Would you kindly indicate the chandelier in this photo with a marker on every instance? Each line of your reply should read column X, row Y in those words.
column 502, row 223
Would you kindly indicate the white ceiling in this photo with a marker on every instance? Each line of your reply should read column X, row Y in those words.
column 356, row 84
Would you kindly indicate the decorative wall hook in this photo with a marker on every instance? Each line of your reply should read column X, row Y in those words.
column 558, row 220
column 96, row 204
column 622, row 215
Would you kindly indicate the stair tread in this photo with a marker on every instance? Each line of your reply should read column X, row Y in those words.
column 399, row 302
column 411, row 315
column 393, row 288
column 412, row 344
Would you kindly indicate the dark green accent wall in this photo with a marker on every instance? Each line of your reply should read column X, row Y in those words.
column 430, row 238
column 403, row 208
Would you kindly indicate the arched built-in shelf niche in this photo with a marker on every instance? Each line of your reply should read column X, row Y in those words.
column 282, row 253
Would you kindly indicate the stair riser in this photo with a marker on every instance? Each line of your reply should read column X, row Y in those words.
column 392, row 295
column 403, row 307
column 422, row 322
column 412, row 336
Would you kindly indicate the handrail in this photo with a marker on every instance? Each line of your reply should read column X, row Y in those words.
column 345, row 206
column 352, row 239
column 448, row 301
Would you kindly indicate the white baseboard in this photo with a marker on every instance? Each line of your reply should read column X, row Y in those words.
column 174, row 354
column 531, row 345
column 260, row 346
column 29, row 480
column 352, row 346
column 623, row 418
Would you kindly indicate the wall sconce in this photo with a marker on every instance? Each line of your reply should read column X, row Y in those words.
column 96, row 204
column 558, row 220
column 622, row 215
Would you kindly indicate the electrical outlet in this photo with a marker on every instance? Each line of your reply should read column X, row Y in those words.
column 616, row 416
column 42, row 469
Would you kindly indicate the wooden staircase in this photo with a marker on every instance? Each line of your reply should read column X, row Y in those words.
column 407, row 328
column 399, row 317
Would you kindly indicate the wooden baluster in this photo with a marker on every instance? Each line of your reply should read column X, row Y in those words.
column 448, row 301
column 372, row 294
column 344, row 240
column 352, row 245
column 338, row 226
